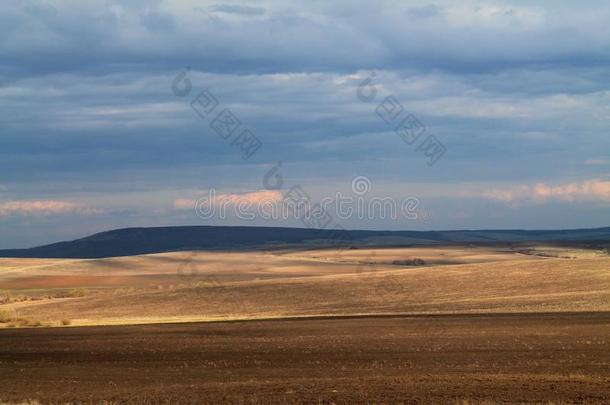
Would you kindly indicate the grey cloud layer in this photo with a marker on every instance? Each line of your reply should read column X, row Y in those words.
column 268, row 36
column 518, row 91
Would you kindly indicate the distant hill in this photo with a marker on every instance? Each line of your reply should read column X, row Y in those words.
column 136, row 241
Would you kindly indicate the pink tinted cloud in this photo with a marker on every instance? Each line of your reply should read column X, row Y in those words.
column 253, row 198
column 184, row 204
column 43, row 207
column 590, row 190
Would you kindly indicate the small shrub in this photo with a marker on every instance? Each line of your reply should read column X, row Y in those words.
column 28, row 322
column 5, row 297
column 124, row 290
column 410, row 262
column 7, row 294
column 77, row 292
column 5, row 316
column 61, row 294
column 20, row 322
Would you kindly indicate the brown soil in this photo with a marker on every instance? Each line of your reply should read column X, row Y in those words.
column 500, row 358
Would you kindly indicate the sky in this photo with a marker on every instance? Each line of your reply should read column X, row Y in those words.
column 483, row 114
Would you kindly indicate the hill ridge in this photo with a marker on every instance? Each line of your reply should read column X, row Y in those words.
column 146, row 240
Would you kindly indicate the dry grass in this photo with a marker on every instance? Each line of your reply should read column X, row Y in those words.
column 56, row 276
column 9, row 320
column 328, row 282
column 5, row 316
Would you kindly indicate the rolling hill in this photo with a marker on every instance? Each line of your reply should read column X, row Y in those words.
column 137, row 241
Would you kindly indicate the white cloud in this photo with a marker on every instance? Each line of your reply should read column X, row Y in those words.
column 43, row 207
column 587, row 191
column 597, row 162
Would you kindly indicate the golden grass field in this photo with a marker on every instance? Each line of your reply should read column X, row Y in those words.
column 202, row 286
